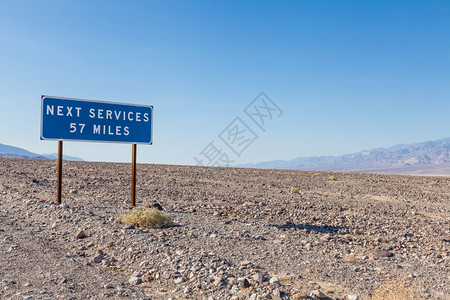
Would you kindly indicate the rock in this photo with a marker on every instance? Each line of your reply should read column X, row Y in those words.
column 179, row 280
column 299, row 296
column 317, row 294
column 382, row 254
column 62, row 281
column 135, row 280
column 276, row 292
column 218, row 280
column 244, row 283
column 73, row 191
column 258, row 277
column 234, row 289
column 136, row 274
column 98, row 259
column 12, row 248
column 352, row 297
column 274, row 280
column 80, row 235
column 144, row 263
column 245, row 263
column 156, row 205
column 325, row 237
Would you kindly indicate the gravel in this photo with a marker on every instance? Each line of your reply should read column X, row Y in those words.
column 239, row 233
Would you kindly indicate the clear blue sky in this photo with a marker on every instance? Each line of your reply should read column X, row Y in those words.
column 348, row 75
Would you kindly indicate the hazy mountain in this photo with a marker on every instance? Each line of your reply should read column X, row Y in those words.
column 11, row 151
column 432, row 157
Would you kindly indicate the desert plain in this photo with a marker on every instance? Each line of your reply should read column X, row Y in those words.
column 238, row 233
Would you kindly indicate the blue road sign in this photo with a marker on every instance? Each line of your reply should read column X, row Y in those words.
column 95, row 121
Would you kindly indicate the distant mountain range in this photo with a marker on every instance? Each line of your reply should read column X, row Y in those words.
column 10, row 151
column 428, row 158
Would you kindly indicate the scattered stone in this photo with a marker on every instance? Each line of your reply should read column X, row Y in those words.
column 136, row 274
column 80, row 235
column 382, row 254
column 244, row 283
column 13, row 247
column 317, row 294
column 258, row 277
column 245, row 263
column 135, row 280
column 218, row 280
column 299, row 296
column 274, row 280
column 98, row 259
column 306, row 238
column 157, row 206
column 179, row 280
column 234, row 289
column 73, row 191
column 62, row 281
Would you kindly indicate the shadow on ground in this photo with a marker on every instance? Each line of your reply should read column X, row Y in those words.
column 316, row 228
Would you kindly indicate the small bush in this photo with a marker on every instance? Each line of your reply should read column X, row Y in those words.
column 294, row 190
column 396, row 290
column 146, row 217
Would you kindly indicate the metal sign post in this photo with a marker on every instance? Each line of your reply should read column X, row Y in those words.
column 133, row 175
column 70, row 119
column 59, row 181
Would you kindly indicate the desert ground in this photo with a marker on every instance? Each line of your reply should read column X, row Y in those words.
column 238, row 234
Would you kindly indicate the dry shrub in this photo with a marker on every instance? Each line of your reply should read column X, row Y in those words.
column 146, row 217
column 294, row 190
column 396, row 290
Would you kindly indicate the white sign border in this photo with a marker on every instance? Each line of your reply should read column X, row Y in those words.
column 96, row 101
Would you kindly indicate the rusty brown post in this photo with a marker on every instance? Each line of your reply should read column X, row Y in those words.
column 133, row 176
column 59, row 181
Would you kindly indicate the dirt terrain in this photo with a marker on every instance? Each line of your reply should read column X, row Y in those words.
column 239, row 234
